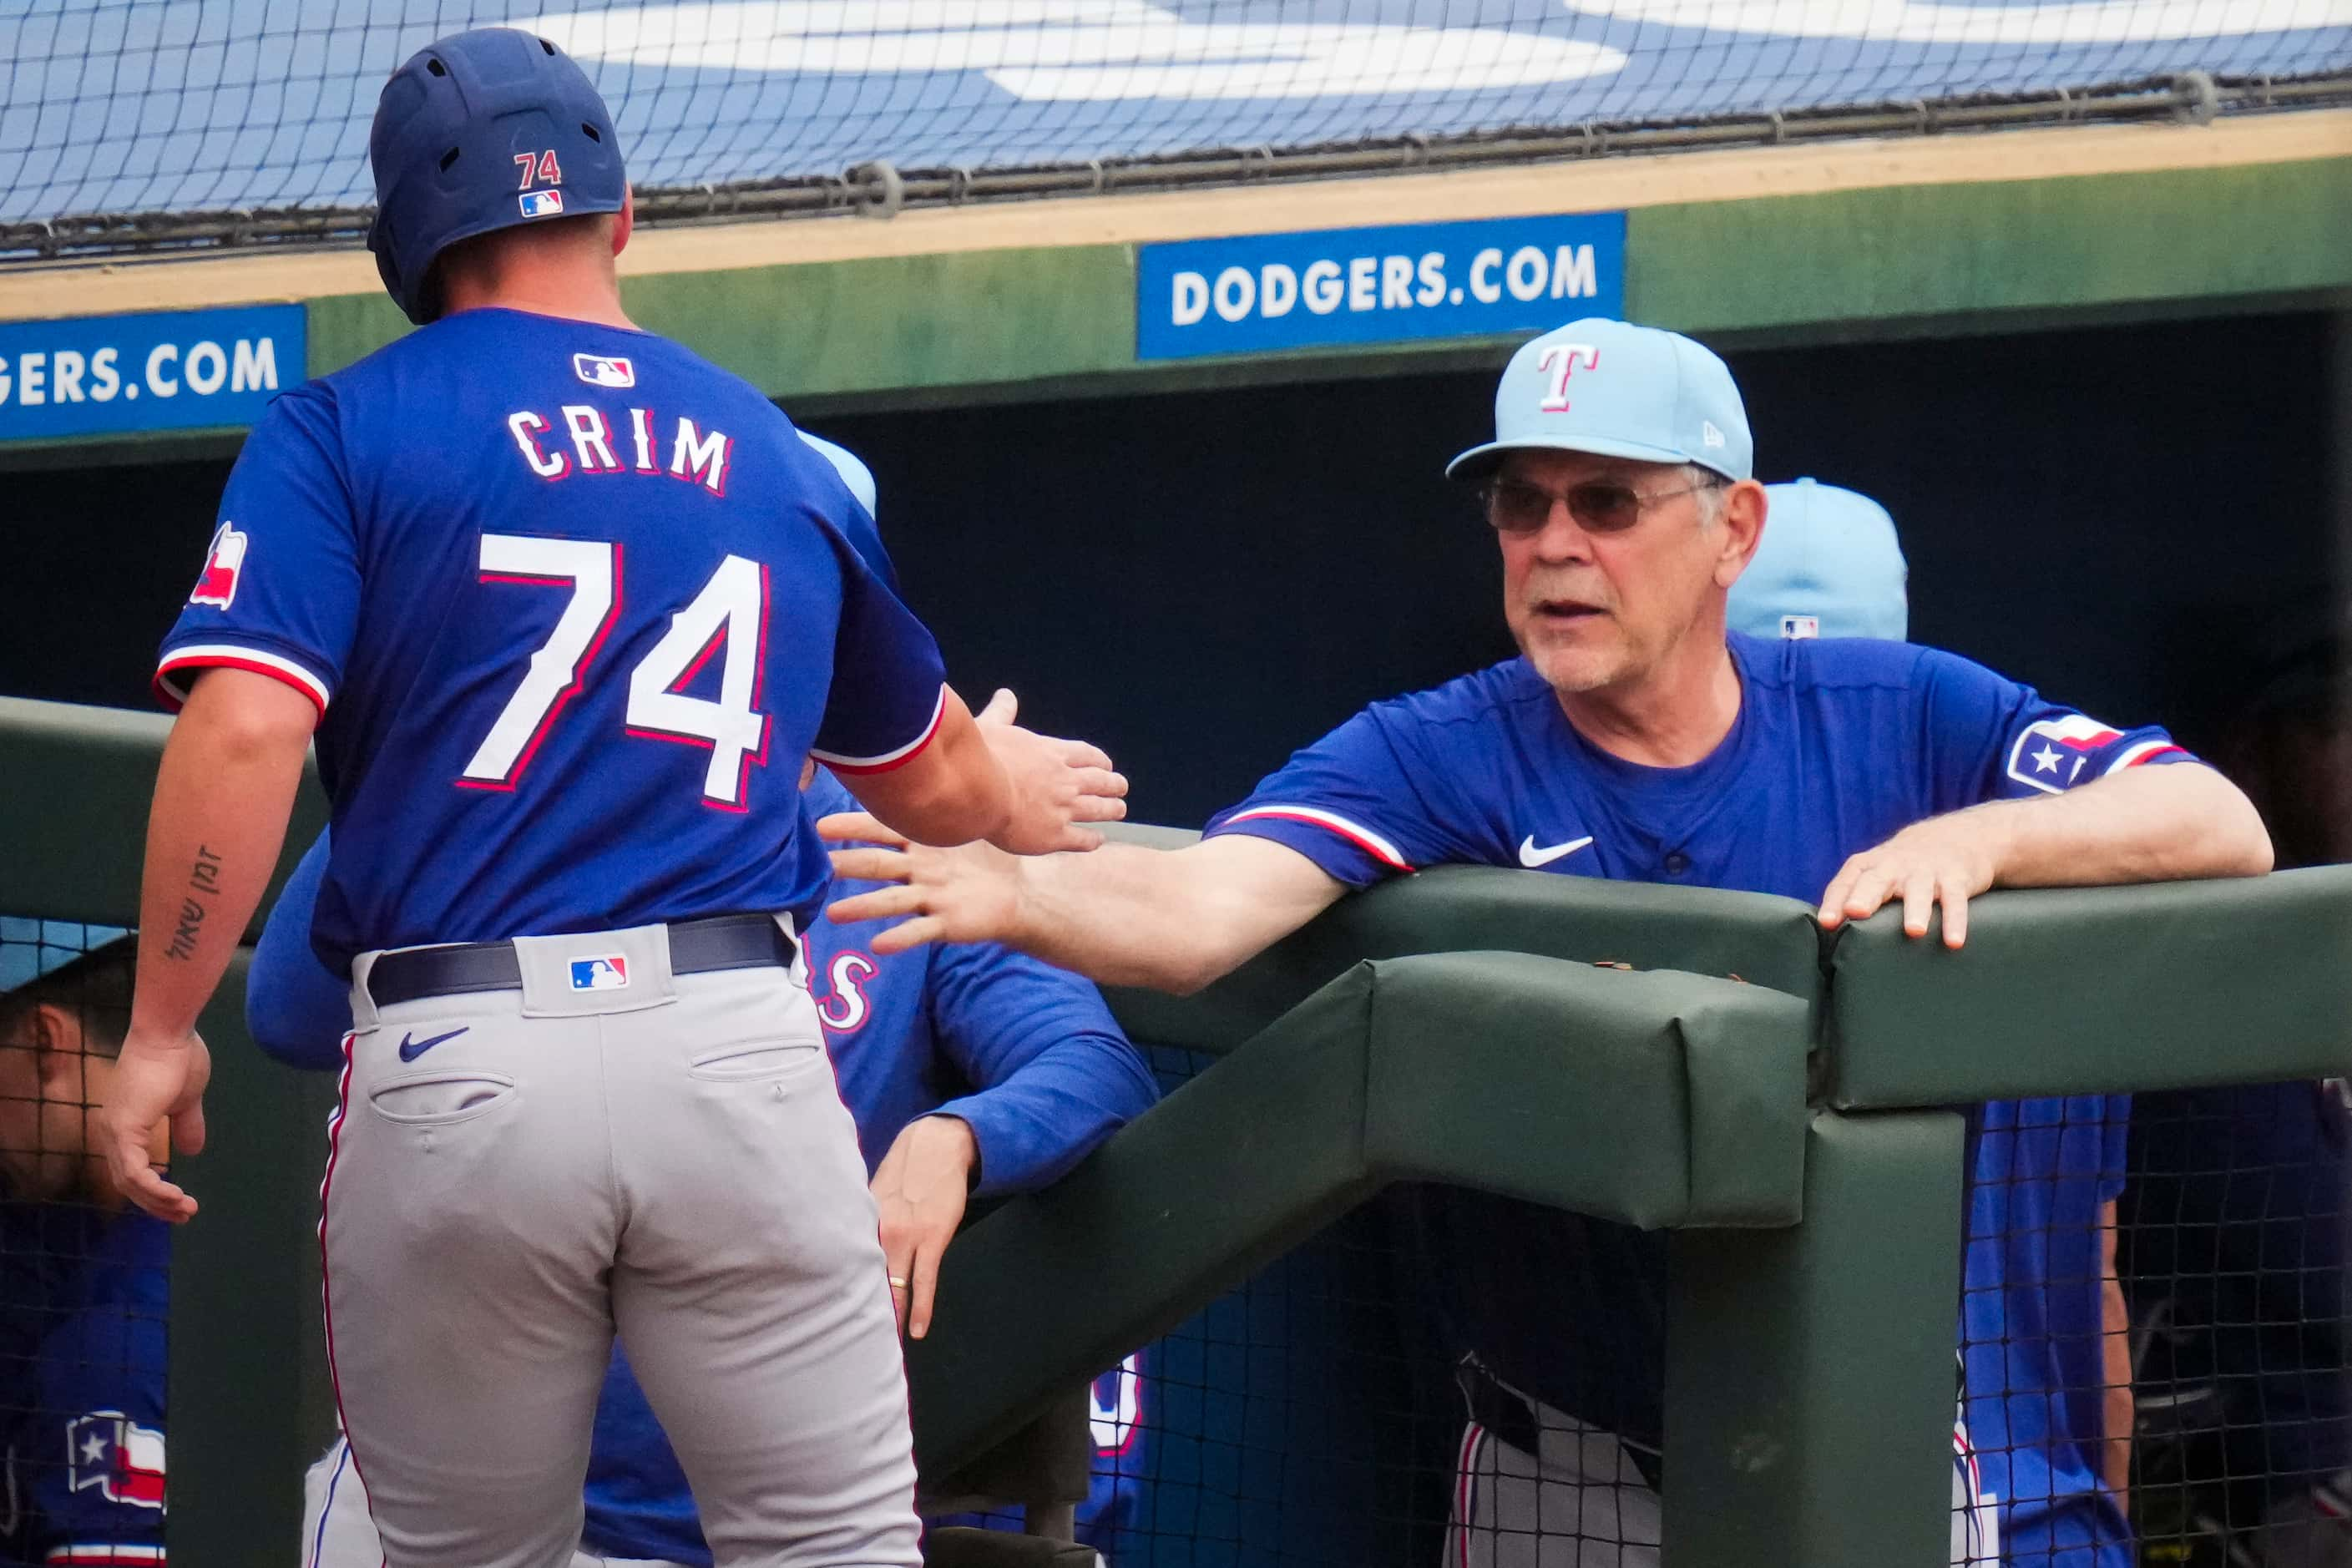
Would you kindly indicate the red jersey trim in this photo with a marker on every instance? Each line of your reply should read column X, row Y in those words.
column 172, row 694
column 1355, row 833
column 888, row 759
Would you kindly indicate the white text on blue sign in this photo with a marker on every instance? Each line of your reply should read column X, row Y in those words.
column 171, row 370
column 1252, row 294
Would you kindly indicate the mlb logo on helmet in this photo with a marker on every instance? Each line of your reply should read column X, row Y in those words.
column 112, row 1455
column 609, row 971
column 223, row 564
column 542, row 204
column 597, row 370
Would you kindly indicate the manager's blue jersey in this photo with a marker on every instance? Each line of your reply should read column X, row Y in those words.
column 559, row 623
column 1024, row 1053
column 1838, row 746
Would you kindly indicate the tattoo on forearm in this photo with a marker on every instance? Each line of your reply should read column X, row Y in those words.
column 203, row 882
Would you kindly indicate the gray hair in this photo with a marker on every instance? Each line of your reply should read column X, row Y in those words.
column 1707, row 492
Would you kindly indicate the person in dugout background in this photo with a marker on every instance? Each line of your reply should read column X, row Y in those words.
column 2234, row 1224
column 2045, row 1420
column 85, row 1279
column 971, row 1072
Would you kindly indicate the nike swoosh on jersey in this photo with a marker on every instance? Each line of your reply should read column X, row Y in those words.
column 412, row 1049
column 1531, row 858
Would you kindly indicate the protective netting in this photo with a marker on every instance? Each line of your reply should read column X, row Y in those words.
column 2151, row 1367
column 84, row 1281
column 206, row 106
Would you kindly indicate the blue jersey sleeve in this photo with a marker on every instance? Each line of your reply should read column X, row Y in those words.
column 90, row 1454
column 889, row 685
column 1363, row 803
column 1991, row 739
column 295, row 1008
column 1057, row 1074
column 279, row 590
column 2115, row 1147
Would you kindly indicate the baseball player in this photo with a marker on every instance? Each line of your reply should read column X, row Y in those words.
column 1634, row 738
column 1045, row 1073
column 554, row 594
column 86, row 1292
column 2042, row 1447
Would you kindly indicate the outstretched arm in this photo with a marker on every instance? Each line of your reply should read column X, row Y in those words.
column 2143, row 825
column 1124, row 915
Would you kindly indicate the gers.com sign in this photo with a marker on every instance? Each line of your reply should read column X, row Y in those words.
column 1255, row 292
column 179, row 370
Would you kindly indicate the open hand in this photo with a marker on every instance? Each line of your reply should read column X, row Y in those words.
column 155, row 1079
column 968, row 894
column 1945, row 860
column 920, row 1187
column 1058, row 785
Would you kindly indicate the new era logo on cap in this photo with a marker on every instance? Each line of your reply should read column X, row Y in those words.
column 608, row 971
column 542, row 204
column 599, row 370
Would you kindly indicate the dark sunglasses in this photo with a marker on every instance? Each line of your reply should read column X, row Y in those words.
column 1599, row 506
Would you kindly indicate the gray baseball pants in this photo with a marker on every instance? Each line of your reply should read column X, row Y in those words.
column 513, row 1175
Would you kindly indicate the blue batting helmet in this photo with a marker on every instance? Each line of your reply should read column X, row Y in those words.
column 483, row 130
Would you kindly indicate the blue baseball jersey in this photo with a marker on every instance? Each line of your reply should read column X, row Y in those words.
column 1839, row 744
column 558, row 622
column 1024, row 1053
column 2032, row 1332
column 83, row 1308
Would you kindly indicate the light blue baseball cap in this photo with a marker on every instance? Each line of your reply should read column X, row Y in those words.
column 1830, row 566
column 30, row 948
column 850, row 466
column 1620, row 391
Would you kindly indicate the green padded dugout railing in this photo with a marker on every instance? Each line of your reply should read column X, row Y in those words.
column 2105, row 990
column 1657, row 1099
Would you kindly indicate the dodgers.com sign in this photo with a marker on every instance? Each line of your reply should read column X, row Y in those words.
column 1255, row 292
column 170, row 371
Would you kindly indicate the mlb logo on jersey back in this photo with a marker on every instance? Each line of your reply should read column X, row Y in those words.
column 115, row 1457
column 223, row 564
column 1796, row 628
column 598, row 369
column 541, row 204
column 609, row 971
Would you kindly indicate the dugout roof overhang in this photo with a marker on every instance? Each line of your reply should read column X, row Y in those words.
column 1860, row 238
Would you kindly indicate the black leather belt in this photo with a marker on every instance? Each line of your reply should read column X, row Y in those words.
column 696, row 947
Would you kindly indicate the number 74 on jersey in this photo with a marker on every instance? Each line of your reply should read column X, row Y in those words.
column 729, row 613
